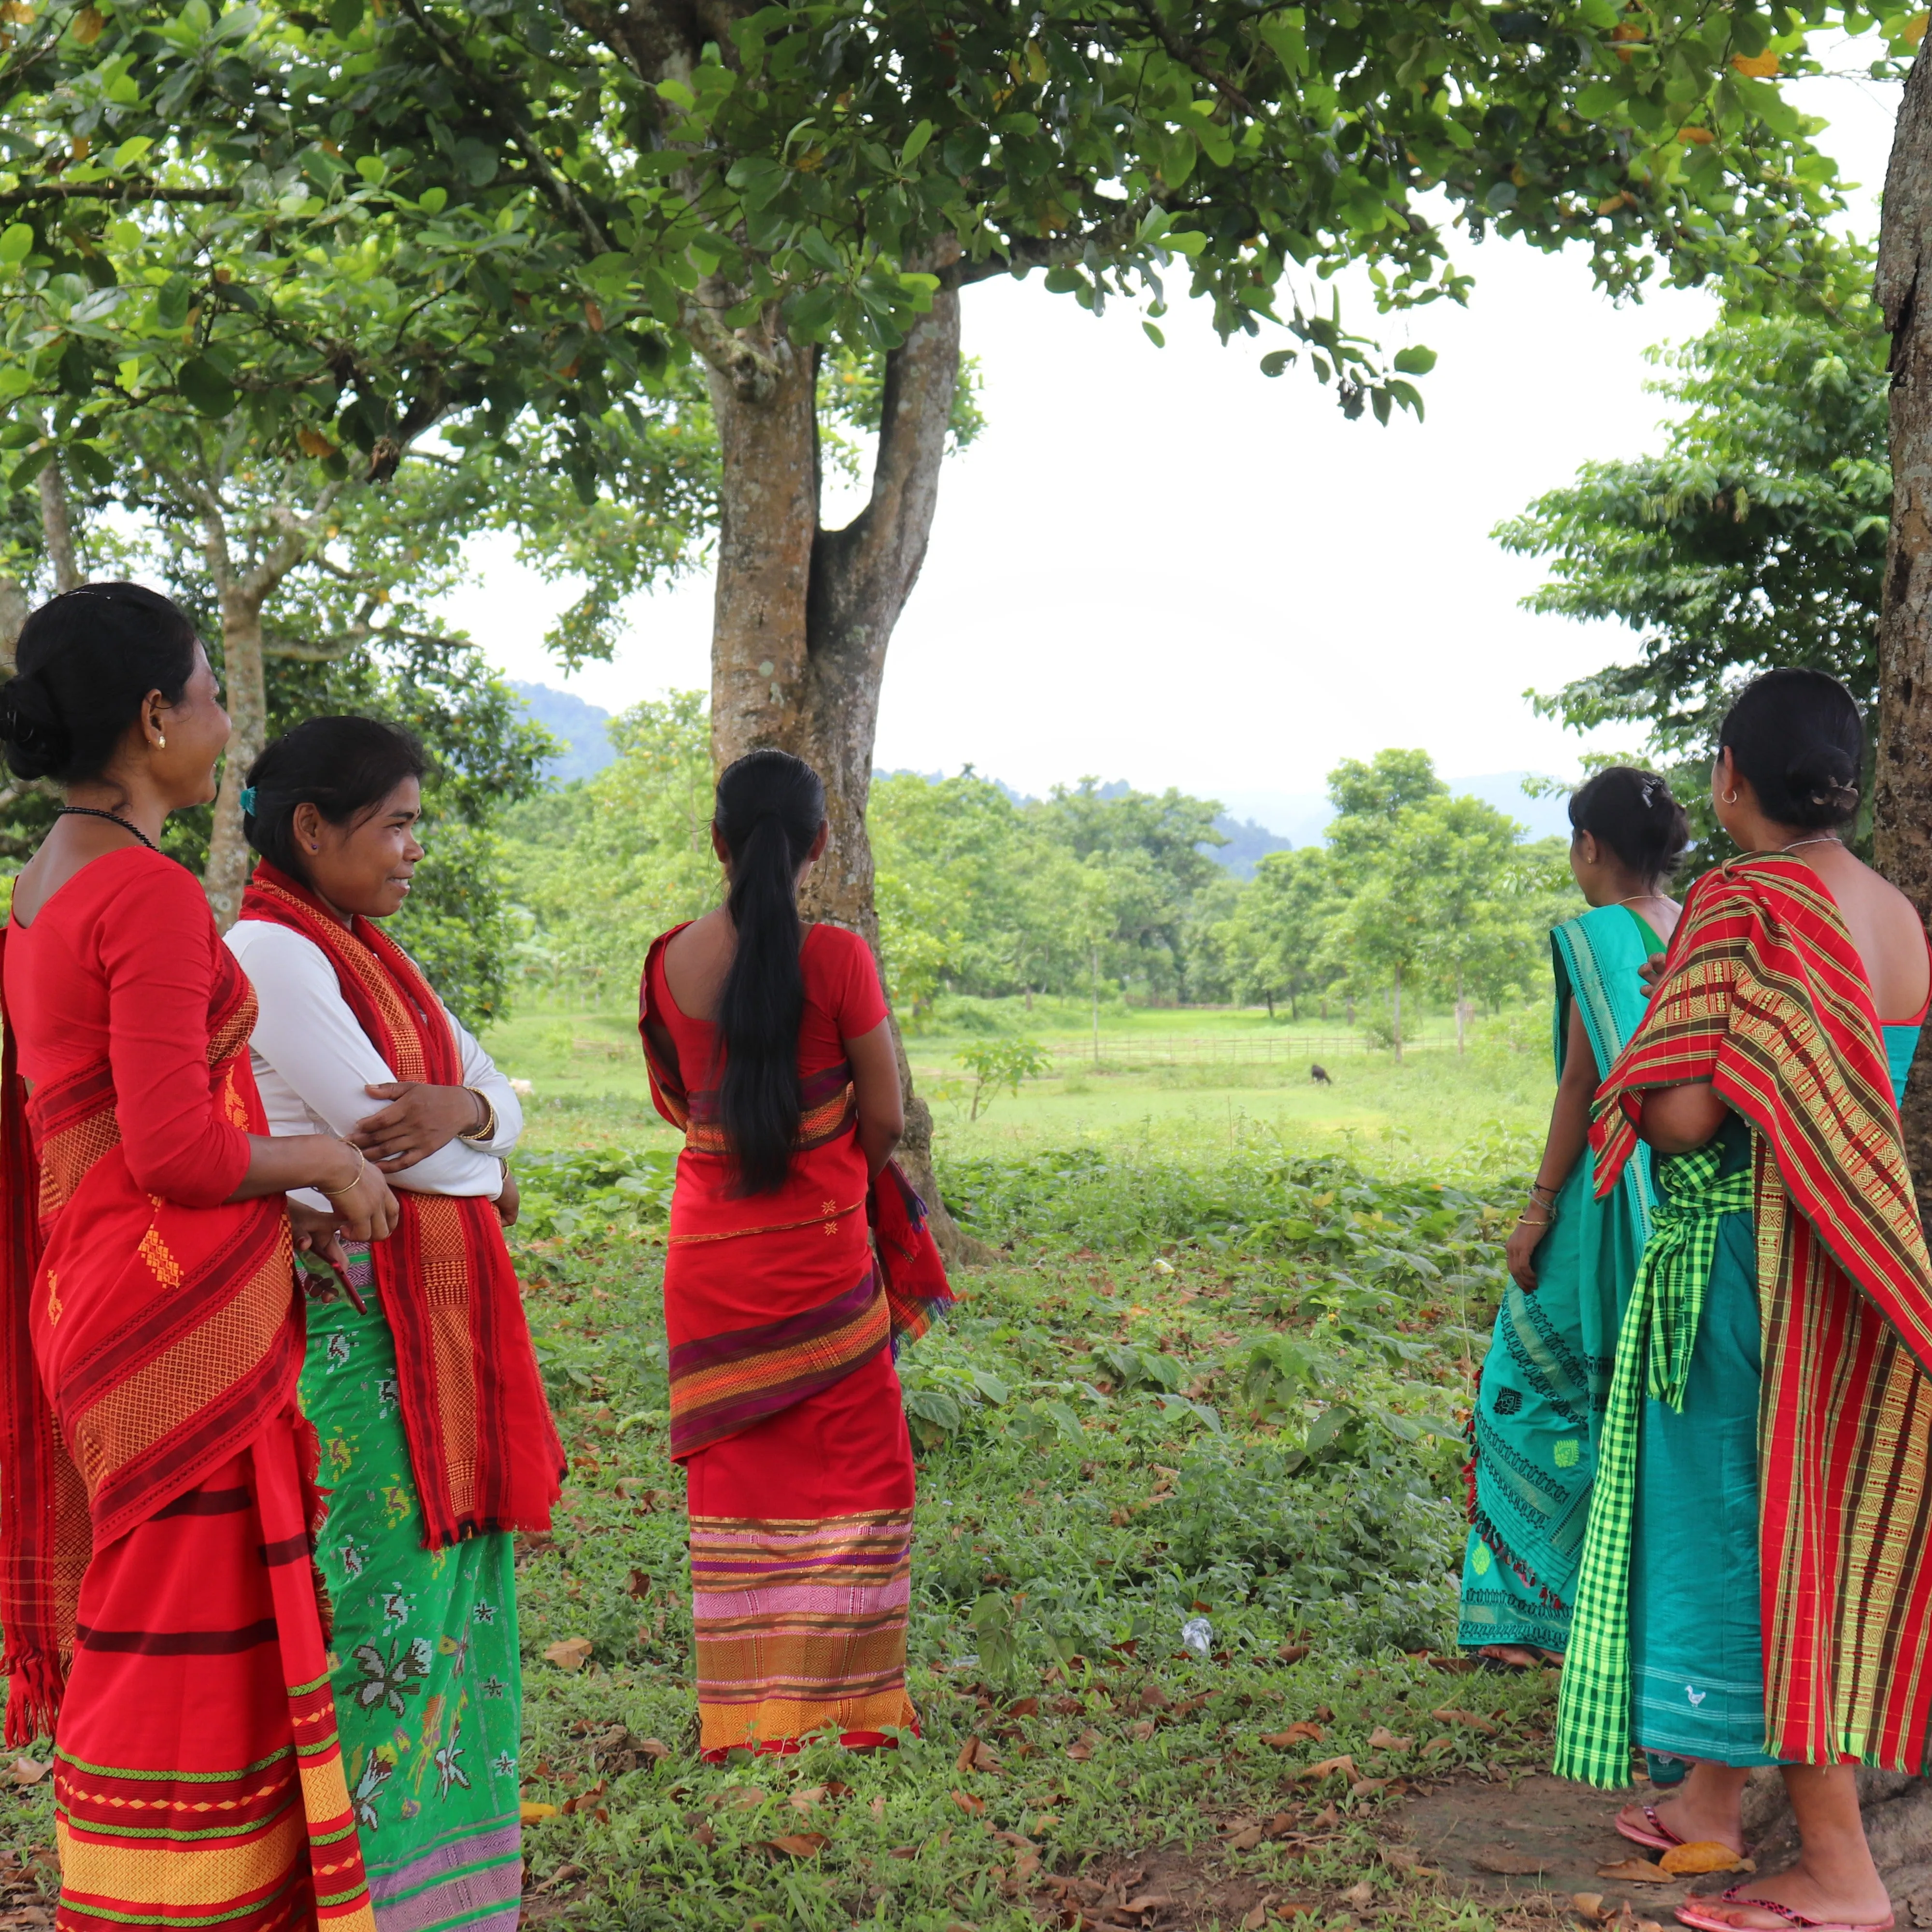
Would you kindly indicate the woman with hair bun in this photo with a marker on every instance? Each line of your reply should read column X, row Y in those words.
column 156, row 1589
column 1756, row 1585
column 437, row 1441
column 770, row 1047
column 1571, row 1256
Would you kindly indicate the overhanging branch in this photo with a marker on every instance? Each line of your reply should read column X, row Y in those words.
column 120, row 191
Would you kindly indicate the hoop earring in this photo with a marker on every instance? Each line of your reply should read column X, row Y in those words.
column 1730, row 798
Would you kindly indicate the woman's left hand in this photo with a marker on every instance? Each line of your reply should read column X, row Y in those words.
column 419, row 1120
column 315, row 1232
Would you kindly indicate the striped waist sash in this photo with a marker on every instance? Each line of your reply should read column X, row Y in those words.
column 723, row 1383
column 1654, row 1350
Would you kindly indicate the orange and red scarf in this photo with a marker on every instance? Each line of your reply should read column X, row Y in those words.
column 1763, row 994
column 482, row 1443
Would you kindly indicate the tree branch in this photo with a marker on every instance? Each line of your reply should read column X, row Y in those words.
column 500, row 105
column 1109, row 238
column 125, row 190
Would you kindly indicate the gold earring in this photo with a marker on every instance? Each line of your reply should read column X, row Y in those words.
column 1730, row 798
column 161, row 741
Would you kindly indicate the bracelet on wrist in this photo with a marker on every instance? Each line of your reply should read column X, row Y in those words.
column 485, row 1130
column 349, row 1187
column 1524, row 1221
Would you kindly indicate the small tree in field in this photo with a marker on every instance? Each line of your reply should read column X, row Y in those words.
column 999, row 1065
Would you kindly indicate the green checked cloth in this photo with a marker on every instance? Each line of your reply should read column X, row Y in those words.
column 1653, row 1347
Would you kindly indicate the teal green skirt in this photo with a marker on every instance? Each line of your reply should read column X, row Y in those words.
column 1544, row 1384
column 428, row 1678
column 1696, row 1635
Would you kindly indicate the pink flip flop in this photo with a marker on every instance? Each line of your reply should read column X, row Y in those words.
column 1695, row 1913
column 1659, row 1838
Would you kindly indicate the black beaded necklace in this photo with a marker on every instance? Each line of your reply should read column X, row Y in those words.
column 113, row 818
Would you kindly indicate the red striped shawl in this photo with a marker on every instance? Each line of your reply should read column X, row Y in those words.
column 1764, row 995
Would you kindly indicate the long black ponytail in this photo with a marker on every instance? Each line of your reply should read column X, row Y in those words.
column 770, row 805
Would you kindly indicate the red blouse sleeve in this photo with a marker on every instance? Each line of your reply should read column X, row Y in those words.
column 156, row 945
column 857, row 1001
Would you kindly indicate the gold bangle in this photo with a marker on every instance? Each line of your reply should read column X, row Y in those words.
column 361, row 1168
column 486, row 1129
column 1524, row 1221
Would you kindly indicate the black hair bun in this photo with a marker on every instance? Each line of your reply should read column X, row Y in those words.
column 36, row 741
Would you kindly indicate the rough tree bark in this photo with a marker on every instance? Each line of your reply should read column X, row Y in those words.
column 58, row 529
column 1898, row 1812
column 804, row 614
column 242, row 592
column 1902, row 829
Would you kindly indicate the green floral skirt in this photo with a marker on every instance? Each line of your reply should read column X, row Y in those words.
column 428, row 1683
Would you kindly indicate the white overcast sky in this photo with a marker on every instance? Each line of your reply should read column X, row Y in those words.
column 1157, row 565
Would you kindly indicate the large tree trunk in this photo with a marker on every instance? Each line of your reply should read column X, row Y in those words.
column 804, row 615
column 246, row 697
column 1902, row 808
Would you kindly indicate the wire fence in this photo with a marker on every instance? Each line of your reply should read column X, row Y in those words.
column 1213, row 1049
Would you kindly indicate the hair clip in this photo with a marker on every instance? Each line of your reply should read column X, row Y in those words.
column 248, row 800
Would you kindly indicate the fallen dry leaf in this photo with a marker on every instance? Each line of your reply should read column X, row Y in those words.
column 30, row 1770
column 702, row 1833
column 1382, row 1738
column 570, row 1653
column 1245, row 1841
column 1290, row 1653
column 739, row 1798
column 1328, row 1768
column 968, row 1804
column 535, row 1814
column 640, row 1585
column 1701, row 1855
column 1435, row 1746
column 653, row 1747
column 1255, row 1919
column 1153, row 1698
column 1294, row 1908
column 1140, row 1731
column 1024, row 1707
column 968, row 1751
column 1082, row 1748
column 1359, row 1895
column 1367, row 1787
column 1467, row 1719
column 1634, row 1871
column 903, row 1852
column 1148, row 1901
column 1505, row 1863
column 1589, row 1904
column 799, row 1844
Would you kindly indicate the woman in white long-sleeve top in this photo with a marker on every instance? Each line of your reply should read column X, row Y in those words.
column 435, row 1439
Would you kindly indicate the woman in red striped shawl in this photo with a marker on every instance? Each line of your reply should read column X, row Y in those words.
column 1755, row 1585
column 769, row 1045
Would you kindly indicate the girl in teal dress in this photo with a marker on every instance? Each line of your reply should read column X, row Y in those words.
column 1571, row 1257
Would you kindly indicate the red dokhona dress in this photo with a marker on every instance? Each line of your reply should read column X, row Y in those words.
column 156, row 1585
column 785, row 1405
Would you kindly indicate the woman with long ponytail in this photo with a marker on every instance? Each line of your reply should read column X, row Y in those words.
column 799, row 1260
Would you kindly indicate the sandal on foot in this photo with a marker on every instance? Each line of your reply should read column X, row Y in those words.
column 1696, row 1912
column 1659, row 1838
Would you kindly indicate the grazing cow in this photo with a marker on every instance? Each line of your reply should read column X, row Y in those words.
column 1319, row 1074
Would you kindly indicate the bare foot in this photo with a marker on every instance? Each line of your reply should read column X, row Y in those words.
column 1699, row 1811
column 1866, row 1904
column 1520, row 1656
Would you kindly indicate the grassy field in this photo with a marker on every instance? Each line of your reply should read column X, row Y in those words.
column 1182, row 1084
column 1189, row 1522
column 1226, row 1391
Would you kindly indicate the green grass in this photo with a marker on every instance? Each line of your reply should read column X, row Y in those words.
column 1229, row 1389
column 1437, row 1109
